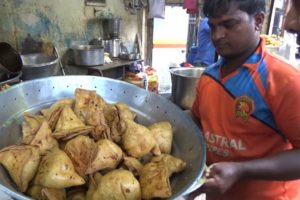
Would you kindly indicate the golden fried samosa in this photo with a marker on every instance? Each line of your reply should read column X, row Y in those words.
column 115, row 122
column 30, row 126
column 56, row 170
column 125, row 111
column 110, row 112
column 69, row 125
column 173, row 164
column 47, row 112
column 137, row 140
column 95, row 117
column 118, row 184
column 83, row 99
column 21, row 162
column 133, row 165
column 44, row 139
column 68, row 120
column 108, row 156
column 41, row 193
column 82, row 150
column 54, row 116
column 163, row 134
column 154, row 180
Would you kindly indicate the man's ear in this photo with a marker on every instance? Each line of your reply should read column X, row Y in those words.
column 259, row 21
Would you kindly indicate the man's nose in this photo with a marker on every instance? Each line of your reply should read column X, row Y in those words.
column 292, row 21
column 218, row 33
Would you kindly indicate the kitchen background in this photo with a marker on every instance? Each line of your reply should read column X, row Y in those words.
column 32, row 26
column 26, row 24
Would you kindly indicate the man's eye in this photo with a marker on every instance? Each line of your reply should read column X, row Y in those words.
column 229, row 25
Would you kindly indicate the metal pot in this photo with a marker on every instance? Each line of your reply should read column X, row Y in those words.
column 112, row 47
column 88, row 55
column 184, row 85
column 38, row 65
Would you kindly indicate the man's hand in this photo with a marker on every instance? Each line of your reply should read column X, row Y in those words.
column 219, row 178
column 222, row 176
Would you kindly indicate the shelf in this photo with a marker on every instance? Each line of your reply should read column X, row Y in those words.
column 114, row 69
column 116, row 63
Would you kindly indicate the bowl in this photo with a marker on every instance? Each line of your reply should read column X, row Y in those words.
column 38, row 65
column 184, row 85
column 88, row 55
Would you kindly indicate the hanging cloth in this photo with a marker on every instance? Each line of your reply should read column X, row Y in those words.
column 191, row 6
column 156, row 9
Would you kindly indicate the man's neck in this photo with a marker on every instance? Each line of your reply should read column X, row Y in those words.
column 231, row 64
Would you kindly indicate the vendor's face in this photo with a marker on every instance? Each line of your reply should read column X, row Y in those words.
column 235, row 32
column 292, row 20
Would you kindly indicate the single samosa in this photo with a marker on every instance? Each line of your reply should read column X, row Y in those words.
column 173, row 164
column 21, row 162
column 47, row 112
column 115, row 121
column 95, row 117
column 108, row 156
column 56, row 170
column 82, row 150
column 163, row 134
column 154, row 180
column 117, row 184
column 138, row 141
column 69, row 125
column 52, row 113
column 125, row 111
column 30, row 126
column 84, row 99
column 44, row 139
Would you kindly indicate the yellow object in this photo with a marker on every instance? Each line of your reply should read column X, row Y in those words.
column 272, row 40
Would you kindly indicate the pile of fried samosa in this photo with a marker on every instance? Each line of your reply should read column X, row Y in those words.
column 85, row 148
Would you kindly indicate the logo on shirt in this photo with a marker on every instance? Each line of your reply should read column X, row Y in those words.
column 244, row 106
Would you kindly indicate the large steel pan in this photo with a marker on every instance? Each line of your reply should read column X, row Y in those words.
column 33, row 95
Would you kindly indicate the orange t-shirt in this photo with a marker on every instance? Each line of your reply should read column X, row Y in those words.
column 251, row 113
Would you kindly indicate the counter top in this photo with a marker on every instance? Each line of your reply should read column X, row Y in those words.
column 71, row 69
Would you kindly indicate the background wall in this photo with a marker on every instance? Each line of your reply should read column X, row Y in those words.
column 26, row 24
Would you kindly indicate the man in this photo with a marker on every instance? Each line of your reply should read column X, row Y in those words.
column 205, row 55
column 248, row 106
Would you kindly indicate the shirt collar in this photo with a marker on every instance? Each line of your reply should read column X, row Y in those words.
column 253, row 61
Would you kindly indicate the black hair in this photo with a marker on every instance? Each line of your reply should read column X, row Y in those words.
column 214, row 8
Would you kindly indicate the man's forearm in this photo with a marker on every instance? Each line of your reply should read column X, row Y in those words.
column 283, row 166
